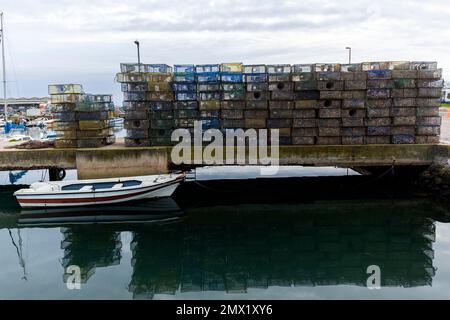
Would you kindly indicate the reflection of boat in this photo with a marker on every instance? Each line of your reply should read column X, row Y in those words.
column 163, row 209
column 98, row 191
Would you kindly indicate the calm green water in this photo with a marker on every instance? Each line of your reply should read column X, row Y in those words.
column 317, row 250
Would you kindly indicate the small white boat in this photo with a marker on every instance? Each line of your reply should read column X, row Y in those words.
column 97, row 192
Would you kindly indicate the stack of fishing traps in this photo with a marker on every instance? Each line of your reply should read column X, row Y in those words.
column 313, row 104
column 148, row 103
column 82, row 120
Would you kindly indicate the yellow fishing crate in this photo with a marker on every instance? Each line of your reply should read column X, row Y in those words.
column 231, row 67
column 158, row 77
column 159, row 86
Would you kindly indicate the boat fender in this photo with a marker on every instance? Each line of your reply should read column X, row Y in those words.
column 61, row 174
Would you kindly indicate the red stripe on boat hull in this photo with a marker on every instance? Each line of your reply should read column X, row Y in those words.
column 84, row 200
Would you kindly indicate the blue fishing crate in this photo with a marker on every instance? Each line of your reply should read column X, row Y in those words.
column 261, row 77
column 210, row 123
column 231, row 77
column 184, row 87
column 208, row 76
column 184, row 77
column 186, row 96
column 184, row 68
column 379, row 74
column 206, row 68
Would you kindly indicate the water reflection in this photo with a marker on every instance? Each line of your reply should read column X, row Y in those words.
column 89, row 247
column 232, row 248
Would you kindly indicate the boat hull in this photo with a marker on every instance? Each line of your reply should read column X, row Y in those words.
column 56, row 199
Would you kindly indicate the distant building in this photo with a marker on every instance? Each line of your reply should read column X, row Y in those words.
column 16, row 105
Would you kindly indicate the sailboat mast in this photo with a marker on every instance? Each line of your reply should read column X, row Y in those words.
column 2, row 30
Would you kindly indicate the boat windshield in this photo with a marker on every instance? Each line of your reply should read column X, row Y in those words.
column 101, row 185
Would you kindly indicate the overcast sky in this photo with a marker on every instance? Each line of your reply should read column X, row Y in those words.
column 59, row 41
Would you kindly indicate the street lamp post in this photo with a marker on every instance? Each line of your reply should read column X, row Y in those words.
column 138, row 55
column 349, row 54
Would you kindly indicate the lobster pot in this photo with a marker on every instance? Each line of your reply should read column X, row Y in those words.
column 64, row 99
column 144, row 68
column 93, row 114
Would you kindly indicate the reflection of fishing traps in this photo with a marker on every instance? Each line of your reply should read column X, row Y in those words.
column 65, row 89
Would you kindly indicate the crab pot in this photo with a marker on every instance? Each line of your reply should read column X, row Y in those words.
column 230, row 105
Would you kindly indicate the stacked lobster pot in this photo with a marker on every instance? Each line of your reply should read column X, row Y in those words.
column 160, row 96
column 306, row 105
column 64, row 99
column 232, row 104
column 94, row 127
column 256, row 96
column 417, row 87
column 209, row 95
column 133, row 79
column 185, row 107
column 330, row 86
column 281, row 104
